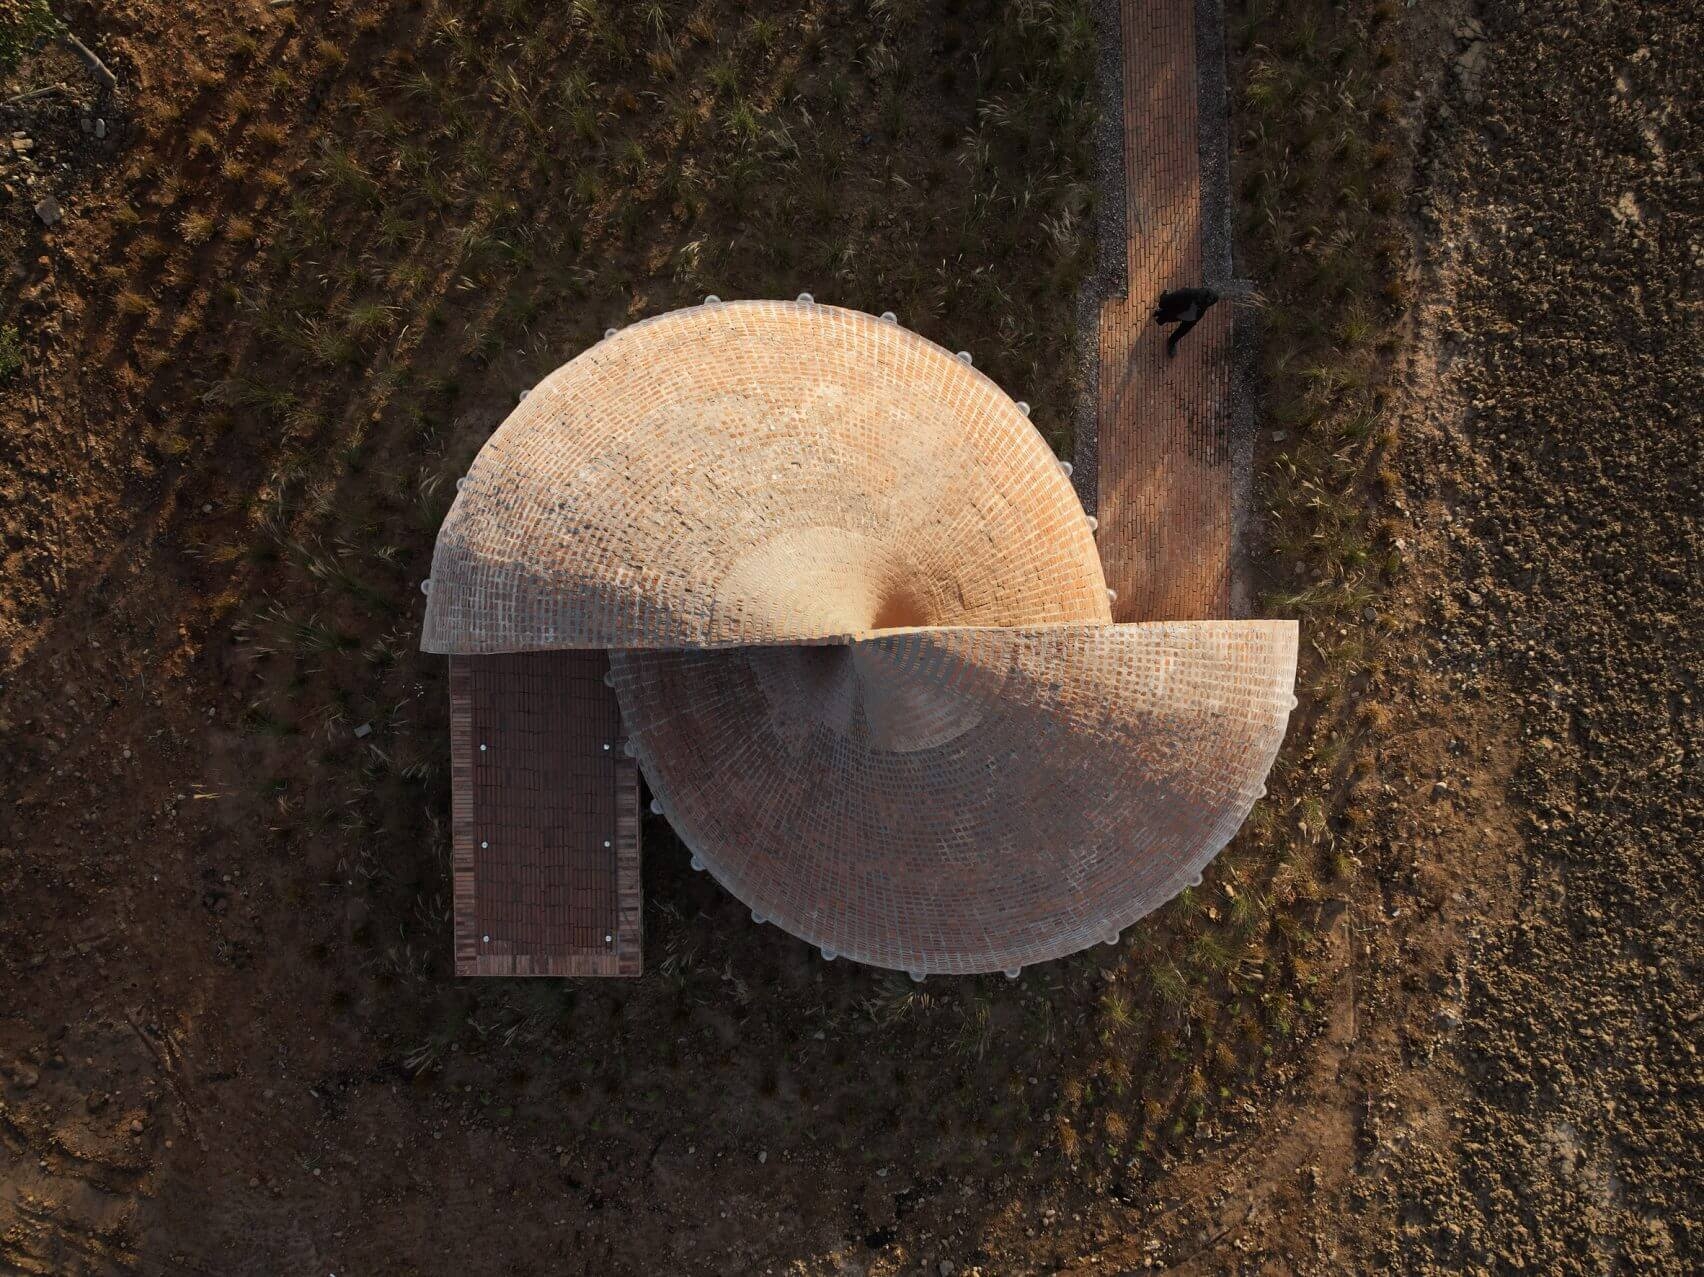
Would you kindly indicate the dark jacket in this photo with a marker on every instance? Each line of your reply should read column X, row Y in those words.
column 1183, row 304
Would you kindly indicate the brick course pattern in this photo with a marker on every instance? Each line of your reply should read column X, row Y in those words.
column 862, row 648
column 1164, row 478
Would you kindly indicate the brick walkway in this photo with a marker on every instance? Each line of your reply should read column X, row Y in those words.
column 1165, row 496
column 546, row 818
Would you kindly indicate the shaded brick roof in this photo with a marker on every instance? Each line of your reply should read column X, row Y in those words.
column 1032, row 793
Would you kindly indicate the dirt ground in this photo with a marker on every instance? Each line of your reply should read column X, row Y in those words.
column 308, row 262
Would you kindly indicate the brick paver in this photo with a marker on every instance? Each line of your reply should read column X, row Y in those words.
column 1165, row 495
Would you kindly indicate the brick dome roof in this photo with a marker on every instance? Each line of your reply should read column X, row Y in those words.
column 962, row 800
column 860, row 637
column 757, row 472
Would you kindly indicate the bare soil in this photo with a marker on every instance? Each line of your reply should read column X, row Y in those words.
column 319, row 252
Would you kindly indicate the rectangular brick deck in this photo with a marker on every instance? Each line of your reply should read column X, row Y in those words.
column 545, row 820
column 1165, row 496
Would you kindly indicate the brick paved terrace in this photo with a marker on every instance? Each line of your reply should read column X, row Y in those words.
column 545, row 836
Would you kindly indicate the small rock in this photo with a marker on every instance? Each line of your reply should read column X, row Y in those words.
column 48, row 210
column 136, row 1126
column 100, row 128
column 1448, row 1019
column 363, row 731
column 946, row 1267
column 763, row 1157
column 1369, row 614
column 21, row 144
column 1278, row 436
column 88, row 125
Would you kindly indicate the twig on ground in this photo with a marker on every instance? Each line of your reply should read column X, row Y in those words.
column 1215, row 1239
column 172, row 1068
column 97, row 68
column 35, row 93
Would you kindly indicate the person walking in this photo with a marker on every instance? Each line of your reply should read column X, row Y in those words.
column 1183, row 307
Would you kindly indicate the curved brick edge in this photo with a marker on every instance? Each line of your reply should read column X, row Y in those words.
column 1109, row 767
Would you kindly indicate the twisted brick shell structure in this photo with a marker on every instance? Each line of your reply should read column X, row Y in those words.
column 861, row 643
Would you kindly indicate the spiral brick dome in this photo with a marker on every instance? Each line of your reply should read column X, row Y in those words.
column 861, row 644
column 758, row 472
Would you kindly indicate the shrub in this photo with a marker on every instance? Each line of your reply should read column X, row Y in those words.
column 11, row 354
column 22, row 23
